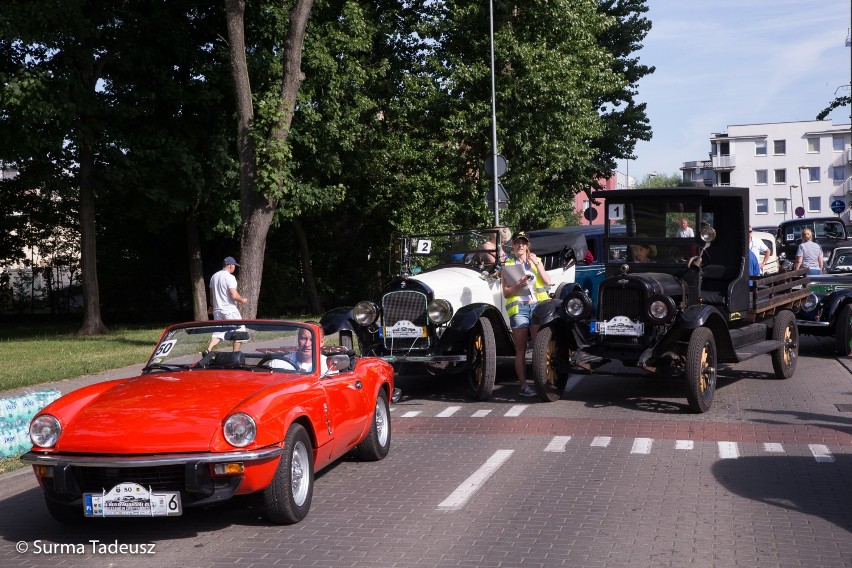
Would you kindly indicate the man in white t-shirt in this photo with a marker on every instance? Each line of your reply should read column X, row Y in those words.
column 759, row 248
column 224, row 298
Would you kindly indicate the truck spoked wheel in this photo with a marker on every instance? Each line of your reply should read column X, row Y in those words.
column 549, row 382
column 786, row 331
column 701, row 370
column 482, row 360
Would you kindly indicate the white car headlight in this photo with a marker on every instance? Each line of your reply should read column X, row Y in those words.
column 240, row 430
column 365, row 313
column 45, row 431
column 440, row 311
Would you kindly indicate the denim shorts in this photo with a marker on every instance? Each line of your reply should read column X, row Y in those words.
column 521, row 320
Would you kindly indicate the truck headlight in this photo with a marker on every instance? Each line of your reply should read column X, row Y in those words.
column 661, row 309
column 440, row 311
column 365, row 313
column 576, row 306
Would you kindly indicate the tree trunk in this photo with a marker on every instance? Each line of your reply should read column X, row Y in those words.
column 256, row 209
column 92, row 324
column 196, row 271
column 310, row 283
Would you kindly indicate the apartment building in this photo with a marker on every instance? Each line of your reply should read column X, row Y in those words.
column 794, row 169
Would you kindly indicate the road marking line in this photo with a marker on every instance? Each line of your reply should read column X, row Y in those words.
column 449, row 411
column 601, row 441
column 821, row 453
column 684, row 444
column 642, row 446
column 411, row 414
column 557, row 444
column 481, row 413
column 516, row 410
column 728, row 450
column 773, row 447
column 471, row 485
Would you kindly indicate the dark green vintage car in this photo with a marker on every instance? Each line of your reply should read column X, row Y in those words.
column 828, row 309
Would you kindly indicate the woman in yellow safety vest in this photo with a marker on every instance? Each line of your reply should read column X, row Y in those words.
column 521, row 298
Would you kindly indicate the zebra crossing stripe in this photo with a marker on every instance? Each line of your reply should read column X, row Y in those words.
column 642, row 446
column 557, row 444
column 601, row 441
column 773, row 447
column 728, row 450
column 481, row 413
column 684, row 444
column 821, row 453
column 411, row 414
column 449, row 411
column 516, row 410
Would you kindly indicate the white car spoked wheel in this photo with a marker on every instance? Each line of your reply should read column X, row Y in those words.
column 482, row 360
column 377, row 444
column 288, row 497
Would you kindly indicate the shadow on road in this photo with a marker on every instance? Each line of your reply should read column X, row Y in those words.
column 777, row 481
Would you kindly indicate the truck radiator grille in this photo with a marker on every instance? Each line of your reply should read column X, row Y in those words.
column 620, row 301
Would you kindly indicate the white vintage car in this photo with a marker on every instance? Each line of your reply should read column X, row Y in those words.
column 445, row 310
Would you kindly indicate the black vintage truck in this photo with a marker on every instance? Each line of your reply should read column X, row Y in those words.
column 670, row 304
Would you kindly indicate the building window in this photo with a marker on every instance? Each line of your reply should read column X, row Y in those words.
column 779, row 147
column 760, row 147
column 761, row 206
column 813, row 145
column 837, row 143
column 761, row 177
column 813, row 174
column 839, row 173
column 814, row 204
column 780, row 176
column 781, row 206
column 724, row 178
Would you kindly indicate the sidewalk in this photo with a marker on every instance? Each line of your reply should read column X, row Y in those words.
column 69, row 385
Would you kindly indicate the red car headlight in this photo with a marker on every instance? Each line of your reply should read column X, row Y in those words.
column 45, row 431
column 239, row 430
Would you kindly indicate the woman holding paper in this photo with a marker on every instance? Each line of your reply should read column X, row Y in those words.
column 525, row 283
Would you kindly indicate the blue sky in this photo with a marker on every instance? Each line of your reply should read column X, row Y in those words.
column 723, row 62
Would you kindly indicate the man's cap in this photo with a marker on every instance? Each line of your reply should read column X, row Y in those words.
column 520, row 235
column 230, row 260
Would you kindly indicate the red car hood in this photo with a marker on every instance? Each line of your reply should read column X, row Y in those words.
column 160, row 413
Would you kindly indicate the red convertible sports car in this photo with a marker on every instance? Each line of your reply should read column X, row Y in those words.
column 261, row 411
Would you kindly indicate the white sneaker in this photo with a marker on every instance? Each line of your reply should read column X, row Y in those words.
column 527, row 391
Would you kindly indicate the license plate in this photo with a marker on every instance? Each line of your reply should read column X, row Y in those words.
column 131, row 500
column 404, row 329
column 619, row 325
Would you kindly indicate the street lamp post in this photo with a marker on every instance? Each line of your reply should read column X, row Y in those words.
column 801, row 189
column 792, row 187
column 495, row 178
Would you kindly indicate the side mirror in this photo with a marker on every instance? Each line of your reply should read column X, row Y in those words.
column 338, row 363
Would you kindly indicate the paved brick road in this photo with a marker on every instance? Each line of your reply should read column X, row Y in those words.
column 616, row 474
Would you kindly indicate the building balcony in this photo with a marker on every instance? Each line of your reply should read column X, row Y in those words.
column 723, row 163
